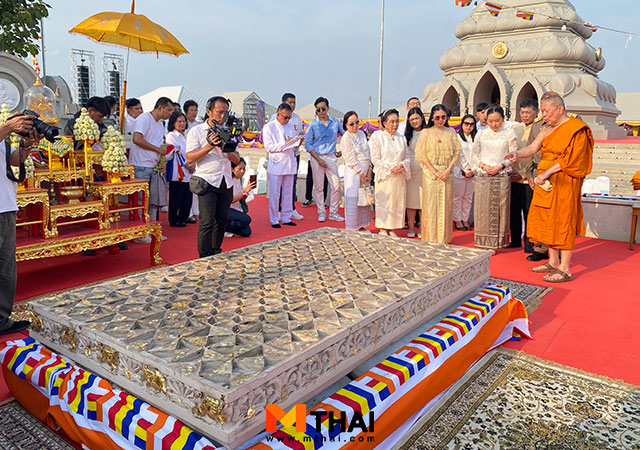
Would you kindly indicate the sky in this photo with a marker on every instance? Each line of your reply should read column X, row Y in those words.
column 324, row 48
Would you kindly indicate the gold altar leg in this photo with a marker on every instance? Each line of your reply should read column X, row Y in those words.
column 145, row 204
column 156, row 239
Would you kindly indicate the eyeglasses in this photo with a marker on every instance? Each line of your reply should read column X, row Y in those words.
column 439, row 117
column 321, row 109
column 350, row 124
column 469, row 123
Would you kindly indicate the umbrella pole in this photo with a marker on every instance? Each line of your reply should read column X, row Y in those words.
column 123, row 97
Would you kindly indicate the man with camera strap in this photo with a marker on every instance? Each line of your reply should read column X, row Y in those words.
column 211, row 180
column 22, row 124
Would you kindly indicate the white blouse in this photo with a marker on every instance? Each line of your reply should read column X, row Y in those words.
column 355, row 151
column 490, row 148
column 465, row 157
column 387, row 152
column 178, row 155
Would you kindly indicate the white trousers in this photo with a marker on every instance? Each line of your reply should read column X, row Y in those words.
column 462, row 198
column 331, row 171
column 280, row 185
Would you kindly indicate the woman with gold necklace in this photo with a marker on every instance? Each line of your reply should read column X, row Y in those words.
column 438, row 151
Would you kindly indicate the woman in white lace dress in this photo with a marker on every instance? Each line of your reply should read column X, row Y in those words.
column 492, row 181
column 357, row 172
column 390, row 158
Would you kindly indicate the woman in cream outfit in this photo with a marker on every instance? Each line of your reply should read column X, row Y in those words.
column 390, row 157
column 415, row 124
column 438, row 151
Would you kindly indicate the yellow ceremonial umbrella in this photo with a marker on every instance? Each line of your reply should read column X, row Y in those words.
column 130, row 30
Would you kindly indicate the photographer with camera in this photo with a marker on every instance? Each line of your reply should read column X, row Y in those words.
column 24, row 125
column 211, row 147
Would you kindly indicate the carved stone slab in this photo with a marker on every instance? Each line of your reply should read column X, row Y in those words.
column 213, row 341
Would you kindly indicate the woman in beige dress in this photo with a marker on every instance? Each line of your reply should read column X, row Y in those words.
column 438, row 151
column 390, row 158
column 492, row 195
column 415, row 124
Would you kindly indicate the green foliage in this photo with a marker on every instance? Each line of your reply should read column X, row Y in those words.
column 20, row 25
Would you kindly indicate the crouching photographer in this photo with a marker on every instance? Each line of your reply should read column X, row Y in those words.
column 211, row 146
column 23, row 125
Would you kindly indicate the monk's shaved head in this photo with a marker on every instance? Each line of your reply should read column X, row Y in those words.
column 553, row 98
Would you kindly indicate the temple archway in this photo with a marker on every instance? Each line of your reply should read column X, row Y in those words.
column 487, row 90
column 451, row 100
column 527, row 91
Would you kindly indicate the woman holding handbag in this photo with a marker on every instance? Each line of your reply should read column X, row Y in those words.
column 357, row 173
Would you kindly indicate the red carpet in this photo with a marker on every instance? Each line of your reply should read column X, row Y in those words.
column 586, row 324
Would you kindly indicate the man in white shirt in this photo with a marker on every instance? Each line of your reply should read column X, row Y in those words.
column 296, row 124
column 8, row 209
column 211, row 180
column 148, row 140
column 134, row 109
column 481, row 115
column 281, row 141
column 413, row 102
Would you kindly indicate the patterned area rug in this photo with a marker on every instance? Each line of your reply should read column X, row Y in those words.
column 513, row 400
column 531, row 295
column 19, row 430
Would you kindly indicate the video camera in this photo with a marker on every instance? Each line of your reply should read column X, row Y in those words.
column 49, row 132
column 228, row 132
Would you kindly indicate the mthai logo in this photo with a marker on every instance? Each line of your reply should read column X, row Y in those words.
column 298, row 415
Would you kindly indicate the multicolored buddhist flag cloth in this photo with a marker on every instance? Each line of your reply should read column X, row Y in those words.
column 493, row 8
column 593, row 28
column 89, row 410
column 399, row 389
column 463, row 3
column 524, row 15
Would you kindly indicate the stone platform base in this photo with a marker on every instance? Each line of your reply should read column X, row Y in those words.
column 213, row 341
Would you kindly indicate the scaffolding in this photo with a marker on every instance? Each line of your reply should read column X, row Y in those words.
column 113, row 75
column 83, row 75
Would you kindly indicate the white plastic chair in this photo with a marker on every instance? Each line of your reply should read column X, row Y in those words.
column 604, row 185
column 590, row 187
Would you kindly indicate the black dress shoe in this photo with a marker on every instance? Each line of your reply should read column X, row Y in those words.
column 88, row 253
column 537, row 256
column 16, row 326
column 275, row 225
column 514, row 245
column 462, row 228
column 291, row 224
column 191, row 220
column 123, row 246
column 528, row 249
column 178, row 224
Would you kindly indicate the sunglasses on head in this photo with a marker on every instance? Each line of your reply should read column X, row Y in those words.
column 321, row 109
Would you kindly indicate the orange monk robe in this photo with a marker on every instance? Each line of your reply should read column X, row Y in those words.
column 555, row 218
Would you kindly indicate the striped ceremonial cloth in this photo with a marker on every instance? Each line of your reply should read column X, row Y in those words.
column 463, row 2
column 524, row 15
column 402, row 384
column 493, row 8
column 89, row 410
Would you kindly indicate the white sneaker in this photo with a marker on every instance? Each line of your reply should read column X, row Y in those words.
column 322, row 217
column 164, row 209
column 336, row 217
column 419, row 235
column 228, row 235
column 143, row 240
column 295, row 215
column 383, row 233
column 163, row 238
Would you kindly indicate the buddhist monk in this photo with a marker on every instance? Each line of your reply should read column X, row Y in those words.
column 555, row 216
